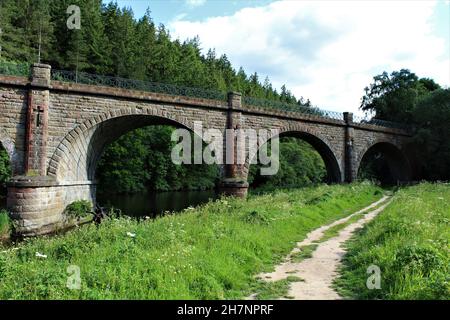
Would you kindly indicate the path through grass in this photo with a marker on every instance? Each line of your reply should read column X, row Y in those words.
column 210, row 252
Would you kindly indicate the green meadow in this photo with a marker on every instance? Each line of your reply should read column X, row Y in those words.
column 210, row 252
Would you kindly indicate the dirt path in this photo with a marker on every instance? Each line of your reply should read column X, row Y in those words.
column 319, row 271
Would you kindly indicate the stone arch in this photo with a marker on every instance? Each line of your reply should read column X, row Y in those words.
column 399, row 165
column 319, row 142
column 76, row 157
column 9, row 145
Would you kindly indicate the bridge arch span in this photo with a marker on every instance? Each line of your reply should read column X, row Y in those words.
column 399, row 166
column 318, row 141
column 76, row 157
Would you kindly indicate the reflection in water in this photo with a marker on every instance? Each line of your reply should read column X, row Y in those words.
column 153, row 204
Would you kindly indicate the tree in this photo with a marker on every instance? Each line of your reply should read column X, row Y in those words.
column 144, row 50
column 432, row 116
column 394, row 97
column 403, row 97
column 300, row 165
column 25, row 25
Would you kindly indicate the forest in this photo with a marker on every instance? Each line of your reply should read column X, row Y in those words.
column 113, row 42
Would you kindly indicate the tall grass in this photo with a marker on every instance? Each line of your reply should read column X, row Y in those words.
column 409, row 241
column 210, row 252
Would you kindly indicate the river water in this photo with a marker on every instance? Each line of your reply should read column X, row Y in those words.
column 150, row 203
column 153, row 204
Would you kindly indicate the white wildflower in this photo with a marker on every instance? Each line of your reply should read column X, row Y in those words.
column 40, row 255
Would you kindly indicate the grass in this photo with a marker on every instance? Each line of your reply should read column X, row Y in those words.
column 409, row 242
column 211, row 252
column 335, row 230
column 304, row 253
column 270, row 290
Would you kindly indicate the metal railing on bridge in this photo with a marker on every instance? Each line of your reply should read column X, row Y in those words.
column 118, row 82
column 381, row 123
column 278, row 105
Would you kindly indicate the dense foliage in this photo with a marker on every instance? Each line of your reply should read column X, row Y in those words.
column 423, row 105
column 394, row 97
column 79, row 209
column 432, row 136
column 5, row 170
column 149, row 165
column 5, row 225
column 300, row 165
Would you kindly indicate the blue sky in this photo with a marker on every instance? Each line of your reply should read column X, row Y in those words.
column 164, row 11
column 327, row 51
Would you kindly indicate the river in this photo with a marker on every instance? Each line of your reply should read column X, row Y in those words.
column 150, row 203
column 153, row 204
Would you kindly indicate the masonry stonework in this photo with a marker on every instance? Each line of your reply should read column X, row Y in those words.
column 55, row 133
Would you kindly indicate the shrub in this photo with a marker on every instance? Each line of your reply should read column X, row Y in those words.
column 79, row 209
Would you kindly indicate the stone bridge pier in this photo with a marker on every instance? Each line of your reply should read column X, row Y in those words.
column 55, row 132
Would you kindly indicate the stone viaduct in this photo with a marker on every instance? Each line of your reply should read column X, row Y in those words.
column 55, row 132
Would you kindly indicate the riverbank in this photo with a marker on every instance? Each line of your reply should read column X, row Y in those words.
column 409, row 243
column 211, row 252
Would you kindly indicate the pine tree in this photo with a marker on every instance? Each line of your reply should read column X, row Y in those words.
column 13, row 39
column 40, row 30
column 145, row 48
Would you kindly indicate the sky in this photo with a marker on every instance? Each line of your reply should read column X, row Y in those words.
column 326, row 51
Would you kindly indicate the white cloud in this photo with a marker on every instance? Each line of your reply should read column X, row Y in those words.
column 195, row 3
column 326, row 51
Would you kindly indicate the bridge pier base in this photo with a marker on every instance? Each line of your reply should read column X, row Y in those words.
column 234, row 187
column 37, row 203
